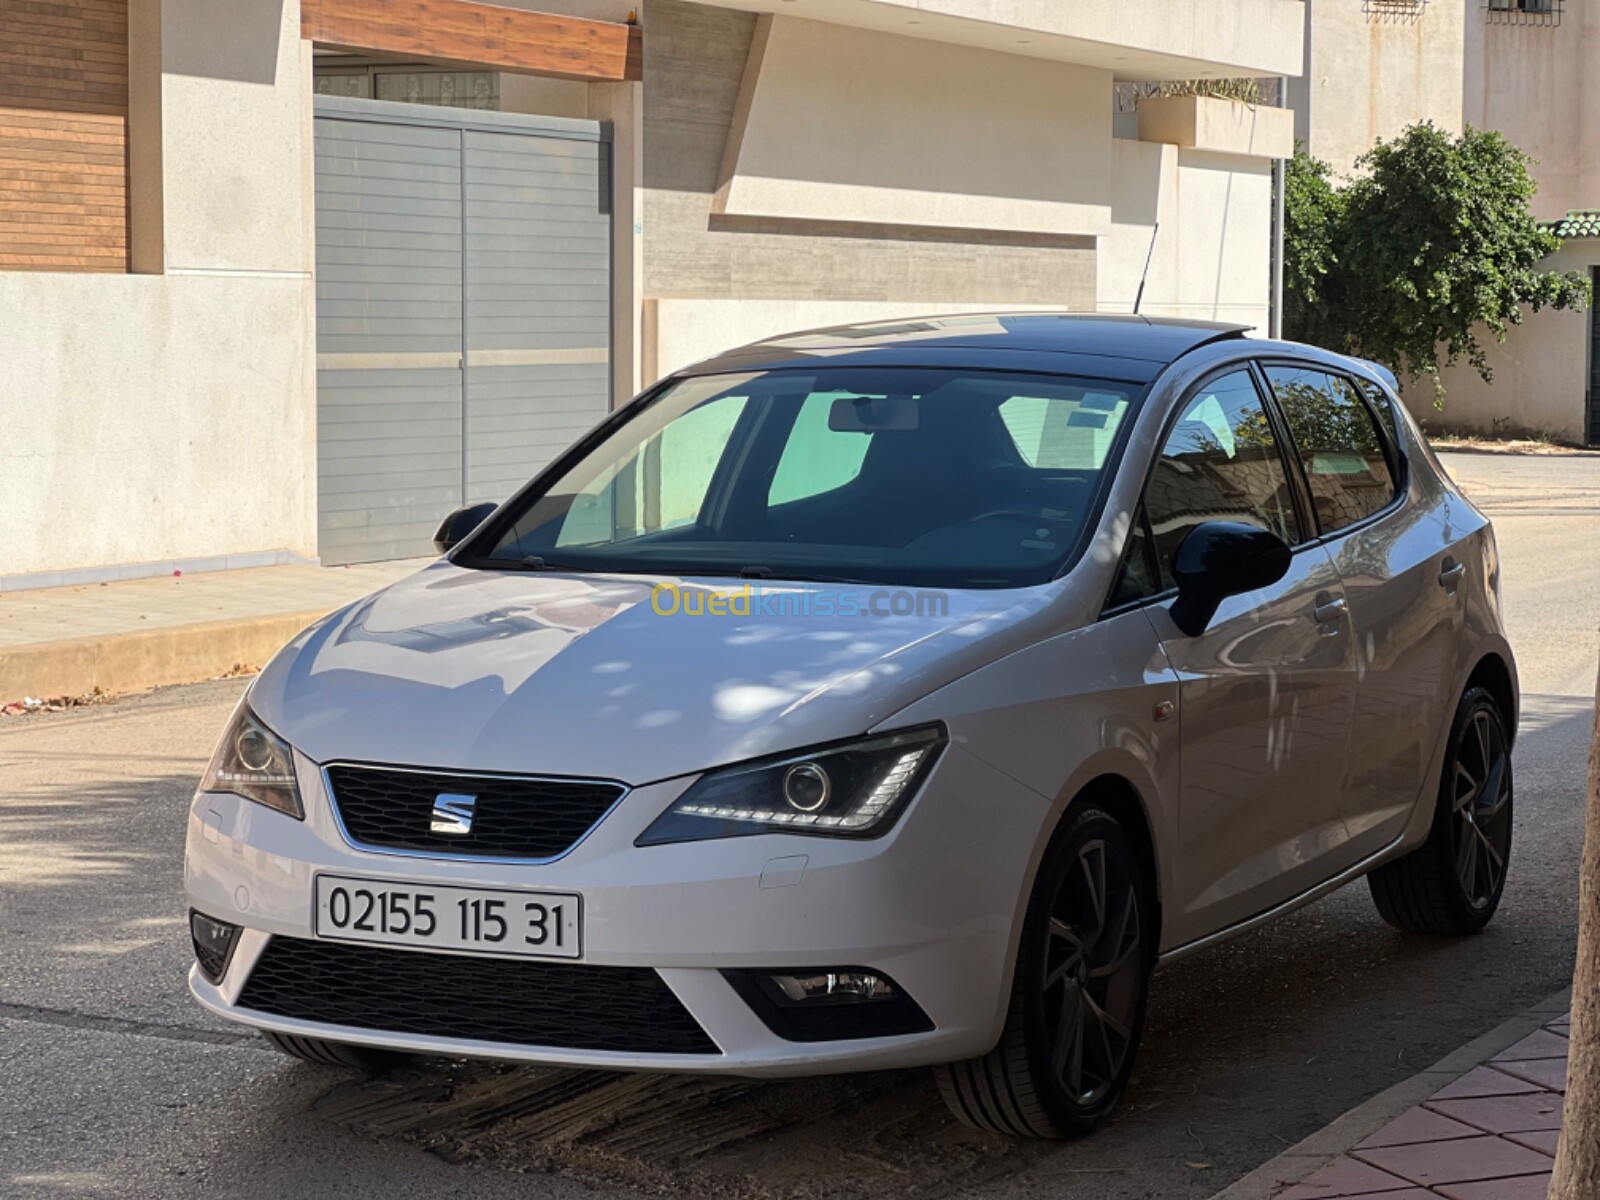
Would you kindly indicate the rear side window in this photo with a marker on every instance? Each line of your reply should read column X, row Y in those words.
column 1334, row 434
column 1220, row 463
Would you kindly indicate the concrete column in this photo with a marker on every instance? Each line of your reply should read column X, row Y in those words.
column 146, row 199
column 622, row 104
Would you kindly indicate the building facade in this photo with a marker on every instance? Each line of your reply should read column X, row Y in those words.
column 1522, row 68
column 286, row 280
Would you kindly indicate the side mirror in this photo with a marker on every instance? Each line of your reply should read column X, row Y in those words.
column 1220, row 559
column 455, row 528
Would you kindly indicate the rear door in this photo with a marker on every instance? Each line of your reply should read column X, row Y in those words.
column 1391, row 546
column 1266, row 693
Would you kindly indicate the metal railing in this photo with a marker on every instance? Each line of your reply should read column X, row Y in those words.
column 1523, row 12
column 1393, row 10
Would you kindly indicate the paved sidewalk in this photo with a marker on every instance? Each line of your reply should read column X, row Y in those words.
column 141, row 633
column 1489, row 1134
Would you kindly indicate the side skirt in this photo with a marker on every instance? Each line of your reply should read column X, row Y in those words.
column 1393, row 850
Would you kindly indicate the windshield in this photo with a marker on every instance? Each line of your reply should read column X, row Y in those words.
column 930, row 478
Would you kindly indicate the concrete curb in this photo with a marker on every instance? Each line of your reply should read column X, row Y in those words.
column 131, row 662
column 1307, row 1157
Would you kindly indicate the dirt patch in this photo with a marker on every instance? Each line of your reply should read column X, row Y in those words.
column 885, row 1134
column 1477, row 445
column 32, row 705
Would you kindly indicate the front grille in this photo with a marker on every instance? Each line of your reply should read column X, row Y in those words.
column 570, row 1006
column 511, row 816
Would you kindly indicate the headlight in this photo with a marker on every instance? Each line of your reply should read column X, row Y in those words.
column 255, row 763
column 851, row 790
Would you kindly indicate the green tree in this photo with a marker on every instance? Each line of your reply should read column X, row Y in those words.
column 1313, row 304
column 1427, row 250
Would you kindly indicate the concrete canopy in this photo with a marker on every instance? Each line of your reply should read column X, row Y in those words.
column 1156, row 39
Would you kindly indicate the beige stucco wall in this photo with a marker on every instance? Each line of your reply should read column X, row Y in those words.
column 1212, row 255
column 688, row 331
column 695, row 61
column 846, row 124
column 1372, row 71
column 171, row 416
column 1535, row 84
column 1540, row 372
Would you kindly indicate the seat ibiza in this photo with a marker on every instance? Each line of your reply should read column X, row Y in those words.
column 873, row 697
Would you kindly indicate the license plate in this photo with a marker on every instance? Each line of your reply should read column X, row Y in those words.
column 475, row 920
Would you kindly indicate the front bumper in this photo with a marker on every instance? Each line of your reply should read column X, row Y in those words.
column 933, row 904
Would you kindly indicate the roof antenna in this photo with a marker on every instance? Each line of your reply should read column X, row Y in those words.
column 1139, row 299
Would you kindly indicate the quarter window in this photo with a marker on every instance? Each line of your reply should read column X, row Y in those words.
column 1346, row 469
column 1220, row 463
column 1380, row 403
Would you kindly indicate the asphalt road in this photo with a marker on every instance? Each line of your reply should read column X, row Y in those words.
column 113, row 1083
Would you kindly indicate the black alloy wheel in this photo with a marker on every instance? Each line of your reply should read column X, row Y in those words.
column 1481, row 809
column 1078, row 995
column 1452, row 883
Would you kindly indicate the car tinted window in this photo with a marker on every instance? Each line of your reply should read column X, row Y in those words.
column 1338, row 445
column 1384, row 407
column 922, row 476
column 817, row 459
column 1220, row 463
column 1061, row 433
column 661, row 485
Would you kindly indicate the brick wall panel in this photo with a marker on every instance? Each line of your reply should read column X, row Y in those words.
column 63, row 135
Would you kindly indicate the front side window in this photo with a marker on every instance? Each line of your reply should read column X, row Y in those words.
column 914, row 476
column 1338, row 444
column 1220, row 463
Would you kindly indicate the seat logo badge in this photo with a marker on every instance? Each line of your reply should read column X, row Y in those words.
column 452, row 813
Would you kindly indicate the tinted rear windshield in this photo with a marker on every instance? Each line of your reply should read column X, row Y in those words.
column 929, row 478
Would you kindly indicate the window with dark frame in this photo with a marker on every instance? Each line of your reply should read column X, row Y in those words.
column 1343, row 457
column 1523, row 12
column 1221, row 462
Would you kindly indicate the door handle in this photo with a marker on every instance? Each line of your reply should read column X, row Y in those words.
column 1328, row 612
column 1450, row 574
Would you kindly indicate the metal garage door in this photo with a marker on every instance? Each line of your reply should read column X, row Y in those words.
column 463, row 312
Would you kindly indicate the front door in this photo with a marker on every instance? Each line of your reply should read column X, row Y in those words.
column 1267, row 692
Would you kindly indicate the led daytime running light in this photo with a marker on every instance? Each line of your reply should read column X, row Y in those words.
column 881, row 797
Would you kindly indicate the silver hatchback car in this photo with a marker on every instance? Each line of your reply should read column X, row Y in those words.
column 874, row 697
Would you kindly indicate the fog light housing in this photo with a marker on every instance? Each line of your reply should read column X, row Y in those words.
column 835, row 987
column 827, row 1004
column 213, row 944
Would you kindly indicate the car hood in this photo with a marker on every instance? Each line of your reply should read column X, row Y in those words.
column 584, row 675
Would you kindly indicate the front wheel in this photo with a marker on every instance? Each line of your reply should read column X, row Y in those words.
column 1453, row 882
column 1078, row 996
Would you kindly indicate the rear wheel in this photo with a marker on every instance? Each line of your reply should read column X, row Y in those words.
column 1452, row 884
column 324, row 1053
column 1078, row 995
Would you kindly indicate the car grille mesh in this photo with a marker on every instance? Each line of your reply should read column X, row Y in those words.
column 570, row 1006
column 512, row 817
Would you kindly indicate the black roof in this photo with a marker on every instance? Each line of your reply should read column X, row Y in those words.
column 1119, row 347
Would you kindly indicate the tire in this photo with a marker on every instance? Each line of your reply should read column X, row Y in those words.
column 1451, row 885
column 323, row 1053
column 1059, row 1069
